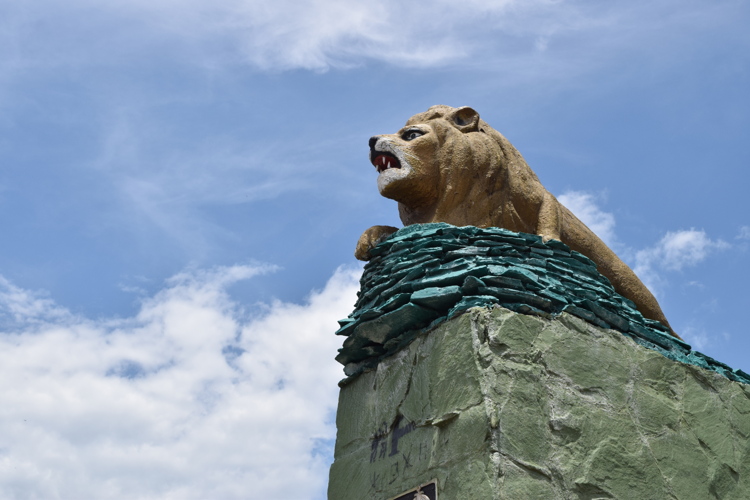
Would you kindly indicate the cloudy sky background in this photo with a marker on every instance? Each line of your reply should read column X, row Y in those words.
column 182, row 184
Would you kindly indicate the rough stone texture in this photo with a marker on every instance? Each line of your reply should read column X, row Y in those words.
column 426, row 273
column 500, row 405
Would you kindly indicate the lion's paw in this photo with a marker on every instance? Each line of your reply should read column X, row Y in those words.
column 370, row 238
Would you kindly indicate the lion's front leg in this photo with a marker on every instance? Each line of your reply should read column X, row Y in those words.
column 370, row 238
column 550, row 219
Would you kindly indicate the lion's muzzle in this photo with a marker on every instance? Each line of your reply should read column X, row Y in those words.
column 384, row 161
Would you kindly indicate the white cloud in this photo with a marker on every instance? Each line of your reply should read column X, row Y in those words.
column 680, row 249
column 696, row 337
column 190, row 398
column 585, row 207
column 286, row 34
column 704, row 340
column 744, row 233
column 19, row 306
column 675, row 251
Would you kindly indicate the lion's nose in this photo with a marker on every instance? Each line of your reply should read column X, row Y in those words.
column 373, row 141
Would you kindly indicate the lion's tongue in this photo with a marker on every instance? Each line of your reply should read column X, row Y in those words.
column 383, row 162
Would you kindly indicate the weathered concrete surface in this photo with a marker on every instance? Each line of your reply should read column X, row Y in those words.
column 500, row 405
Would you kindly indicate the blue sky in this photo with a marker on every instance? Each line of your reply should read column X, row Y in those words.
column 182, row 185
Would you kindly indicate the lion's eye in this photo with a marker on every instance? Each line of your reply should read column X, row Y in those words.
column 410, row 135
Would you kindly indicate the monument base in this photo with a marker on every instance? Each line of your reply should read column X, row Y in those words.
column 493, row 404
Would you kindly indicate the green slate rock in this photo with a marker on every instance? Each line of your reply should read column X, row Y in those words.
column 438, row 298
column 387, row 326
column 425, row 274
column 497, row 405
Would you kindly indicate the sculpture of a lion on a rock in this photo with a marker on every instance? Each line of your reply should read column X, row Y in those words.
column 448, row 165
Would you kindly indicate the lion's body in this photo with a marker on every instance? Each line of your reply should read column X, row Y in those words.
column 452, row 167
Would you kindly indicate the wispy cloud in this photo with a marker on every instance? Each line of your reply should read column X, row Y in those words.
column 703, row 339
column 214, row 169
column 744, row 233
column 698, row 338
column 675, row 251
column 189, row 398
column 25, row 307
column 586, row 207
column 143, row 186
column 333, row 33
column 679, row 249
column 284, row 34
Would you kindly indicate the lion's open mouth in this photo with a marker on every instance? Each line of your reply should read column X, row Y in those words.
column 384, row 161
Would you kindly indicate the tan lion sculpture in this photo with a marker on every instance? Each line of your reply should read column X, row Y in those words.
column 448, row 165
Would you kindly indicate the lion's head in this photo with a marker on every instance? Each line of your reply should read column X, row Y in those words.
column 446, row 165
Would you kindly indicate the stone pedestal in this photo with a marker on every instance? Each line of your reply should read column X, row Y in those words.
column 493, row 404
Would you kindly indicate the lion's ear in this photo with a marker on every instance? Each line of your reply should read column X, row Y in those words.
column 465, row 119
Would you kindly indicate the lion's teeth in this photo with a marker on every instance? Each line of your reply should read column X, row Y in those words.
column 389, row 165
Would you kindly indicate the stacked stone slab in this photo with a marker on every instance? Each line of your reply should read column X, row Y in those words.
column 425, row 274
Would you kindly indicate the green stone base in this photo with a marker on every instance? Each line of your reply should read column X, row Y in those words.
column 500, row 405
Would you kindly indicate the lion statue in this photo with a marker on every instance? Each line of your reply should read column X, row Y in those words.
column 448, row 165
